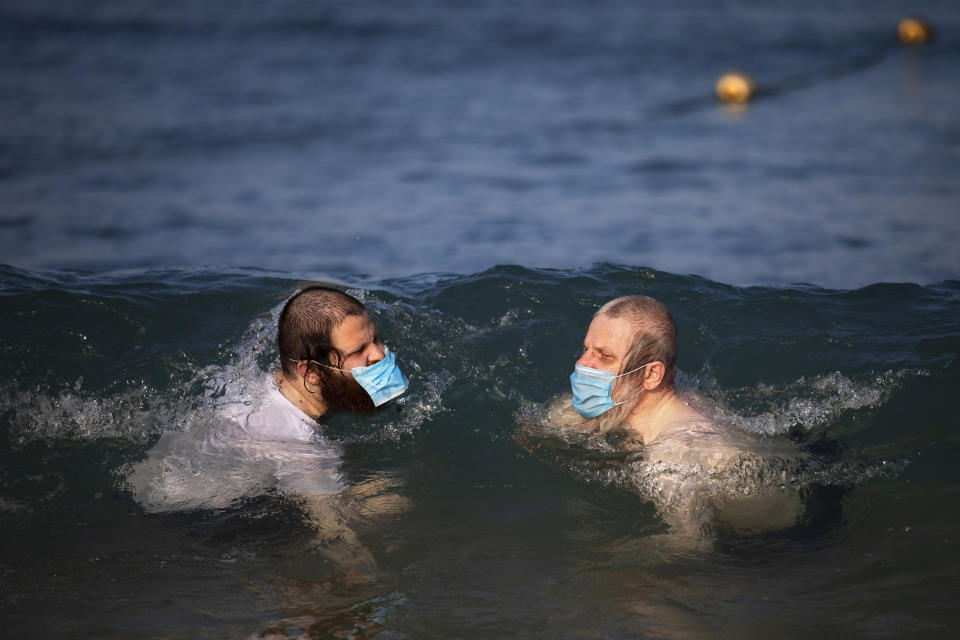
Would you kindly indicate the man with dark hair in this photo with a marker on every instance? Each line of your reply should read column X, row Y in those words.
column 331, row 358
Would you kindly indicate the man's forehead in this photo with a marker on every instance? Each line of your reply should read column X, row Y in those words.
column 610, row 333
column 354, row 331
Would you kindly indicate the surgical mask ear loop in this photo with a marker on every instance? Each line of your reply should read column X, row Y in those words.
column 617, row 404
column 319, row 364
column 626, row 373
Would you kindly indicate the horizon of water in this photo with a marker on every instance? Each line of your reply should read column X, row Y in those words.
column 365, row 138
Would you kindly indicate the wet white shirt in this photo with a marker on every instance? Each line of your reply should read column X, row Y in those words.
column 274, row 418
column 266, row 445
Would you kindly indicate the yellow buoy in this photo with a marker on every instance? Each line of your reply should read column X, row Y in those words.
column 735, row 86
column 915, row 31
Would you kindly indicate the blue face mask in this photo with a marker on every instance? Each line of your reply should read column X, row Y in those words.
column 592, row 389
column 382, row 380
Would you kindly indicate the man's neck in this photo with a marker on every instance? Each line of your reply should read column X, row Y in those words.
column 311, row 404
column 653, row 412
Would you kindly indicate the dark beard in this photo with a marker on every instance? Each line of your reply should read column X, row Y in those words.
column 342, row 393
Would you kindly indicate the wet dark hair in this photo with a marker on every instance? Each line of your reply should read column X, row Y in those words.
column 654, row 337
column 306, row 325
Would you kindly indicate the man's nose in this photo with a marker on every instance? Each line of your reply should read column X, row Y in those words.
column 375, row 354
column 587, row 360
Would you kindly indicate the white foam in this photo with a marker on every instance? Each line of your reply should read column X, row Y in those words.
column 806, row 404
column 687, row 485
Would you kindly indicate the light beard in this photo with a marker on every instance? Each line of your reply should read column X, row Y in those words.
column 343, row 393
column 562, row 414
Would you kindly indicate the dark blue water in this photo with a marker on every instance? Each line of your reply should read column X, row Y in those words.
column 366, row 137
column 170, row 172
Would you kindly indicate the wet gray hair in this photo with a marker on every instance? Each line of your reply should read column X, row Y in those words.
column 654, row 334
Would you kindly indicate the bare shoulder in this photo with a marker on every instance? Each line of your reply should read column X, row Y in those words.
column 693, row 439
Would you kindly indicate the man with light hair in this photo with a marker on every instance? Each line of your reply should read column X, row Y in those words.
column 625, row 377
column 688, row 464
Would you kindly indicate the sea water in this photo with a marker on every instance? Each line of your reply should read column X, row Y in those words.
column 171, row 172
column 368, row 137
column 498, row 539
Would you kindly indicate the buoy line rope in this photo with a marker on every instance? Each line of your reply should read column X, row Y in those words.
column 737, row 87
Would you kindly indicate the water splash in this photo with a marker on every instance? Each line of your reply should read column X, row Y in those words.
column 763, row 469
column 136, row 415
column 210, row 393
column 140, row 414
column 803, row 406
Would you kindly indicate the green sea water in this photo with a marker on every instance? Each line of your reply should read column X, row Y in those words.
column 499, row 539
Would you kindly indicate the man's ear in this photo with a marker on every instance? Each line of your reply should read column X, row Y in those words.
column 308, row 374
column 653, row 375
